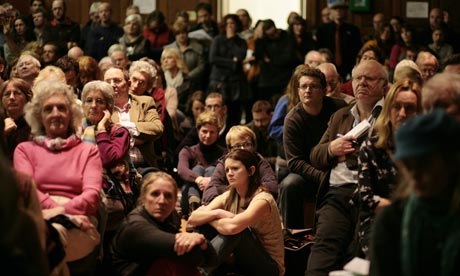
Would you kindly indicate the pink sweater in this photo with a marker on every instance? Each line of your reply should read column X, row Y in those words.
column 75, row 173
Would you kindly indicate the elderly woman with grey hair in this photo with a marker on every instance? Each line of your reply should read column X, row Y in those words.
column 111, row 139
column 133, row 42
column 27, row 68
column 74, row 191
column 113, row 142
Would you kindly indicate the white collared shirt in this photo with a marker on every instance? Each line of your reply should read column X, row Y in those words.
column 341, row 174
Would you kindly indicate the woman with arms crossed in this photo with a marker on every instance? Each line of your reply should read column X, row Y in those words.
column 149, row 242
column 246, row 218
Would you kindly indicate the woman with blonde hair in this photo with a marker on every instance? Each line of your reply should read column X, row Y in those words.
column 377, row 173
column 165, row 250
column 419, row 233
column 179, row 61
column 175, row 73
column 191, row 51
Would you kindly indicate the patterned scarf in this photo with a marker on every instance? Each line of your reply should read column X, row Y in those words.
column 57, row 144
column 89, row 132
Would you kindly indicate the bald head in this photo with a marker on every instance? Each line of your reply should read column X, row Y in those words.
column 436, row 17
column 314, row 58
column 332, row 77
column 369, row 83
column 75, row 52
column 442, row 91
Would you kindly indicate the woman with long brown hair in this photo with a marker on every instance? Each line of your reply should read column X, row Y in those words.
column 246, row 218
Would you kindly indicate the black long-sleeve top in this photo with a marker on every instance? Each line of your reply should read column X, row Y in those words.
column 141, row 239
column 302, row 132
column 221, row 55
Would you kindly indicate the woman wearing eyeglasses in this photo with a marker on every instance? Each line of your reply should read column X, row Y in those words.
column 98, row 128
column 112, row 140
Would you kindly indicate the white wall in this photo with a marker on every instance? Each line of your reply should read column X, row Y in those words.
column 277, row 10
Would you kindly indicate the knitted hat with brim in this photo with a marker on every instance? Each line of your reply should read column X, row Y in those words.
column 434, row 132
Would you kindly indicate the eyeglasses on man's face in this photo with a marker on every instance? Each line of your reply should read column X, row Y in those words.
column 305, row 87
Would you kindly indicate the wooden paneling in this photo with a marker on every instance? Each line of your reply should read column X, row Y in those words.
column 387, row 7
column 171, row 7
column 78, row 10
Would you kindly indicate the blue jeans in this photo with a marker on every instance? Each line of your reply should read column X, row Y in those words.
column 251, row 257
column 191, row 189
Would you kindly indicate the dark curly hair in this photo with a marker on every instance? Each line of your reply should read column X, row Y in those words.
column 235, row 18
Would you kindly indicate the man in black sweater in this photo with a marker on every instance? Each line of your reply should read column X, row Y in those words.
column 303, row 127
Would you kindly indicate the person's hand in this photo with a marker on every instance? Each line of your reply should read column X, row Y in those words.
column 104, row 122
column 382, row 203
column 342, row 146
column 10, row 125
column 49, row 213
column 185, row 242
column 204, row 183
column 6, row 23
column 82, row 222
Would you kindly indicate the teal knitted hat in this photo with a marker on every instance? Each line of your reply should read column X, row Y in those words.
column 427, row 133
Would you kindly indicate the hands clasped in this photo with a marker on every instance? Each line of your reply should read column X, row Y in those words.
column 185, row 242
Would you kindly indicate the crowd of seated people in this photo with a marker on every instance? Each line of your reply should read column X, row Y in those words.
column 121, row 129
